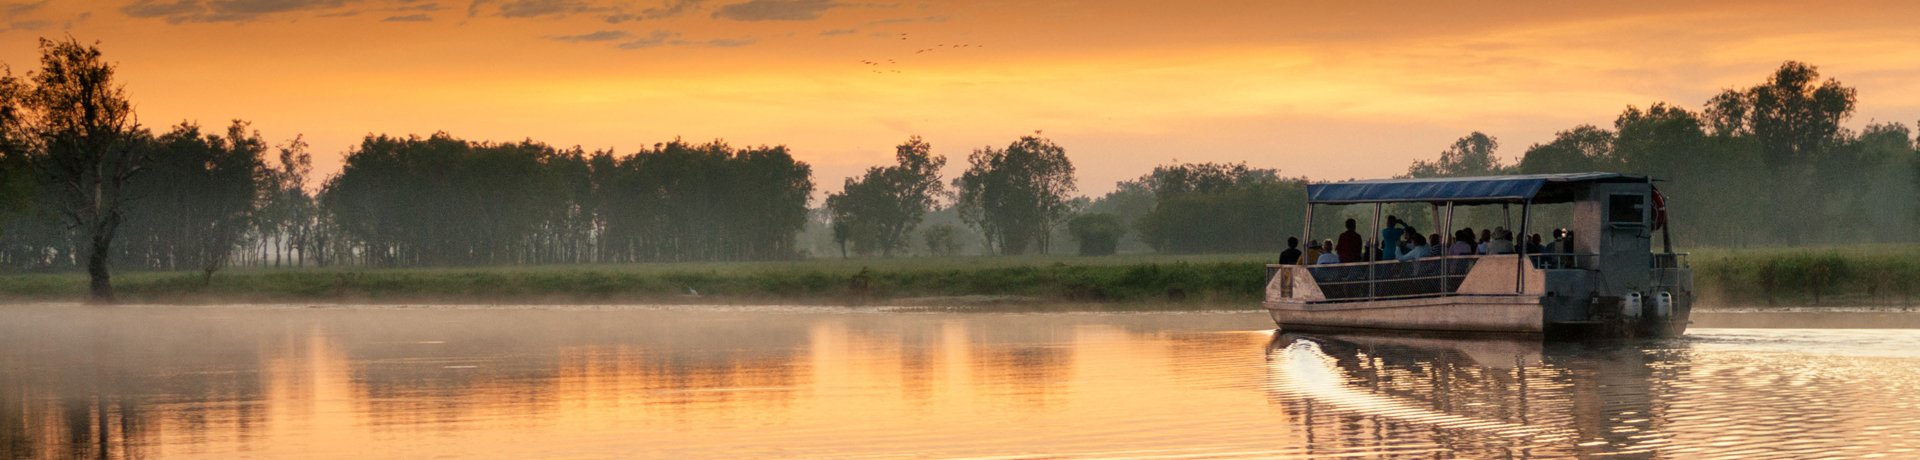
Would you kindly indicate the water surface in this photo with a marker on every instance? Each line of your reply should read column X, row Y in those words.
column 809, row 382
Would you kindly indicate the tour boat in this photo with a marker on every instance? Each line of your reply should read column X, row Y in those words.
column 1605, row 280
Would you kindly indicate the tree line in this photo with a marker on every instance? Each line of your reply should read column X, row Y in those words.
column 1771, row 164
column 83, row 185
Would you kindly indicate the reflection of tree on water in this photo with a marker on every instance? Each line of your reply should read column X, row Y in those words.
column 1481, row 398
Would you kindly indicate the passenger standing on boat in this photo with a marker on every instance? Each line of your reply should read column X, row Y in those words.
column 1390, row 239
column 1328, row 257
column 1486, row 240
column 1350, row 242
column 1313, row 253
column 1291, row 256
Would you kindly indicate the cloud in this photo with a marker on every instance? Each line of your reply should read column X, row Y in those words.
column 537, row 8
column 15, row 10
column 180, row 11
column 15, row 17
column 834, row 32
column 729, row 42
column 601, row 36
column 671, row 9
column 659, row 38
column 775, row 10
column 612, row 14
column 408, row 18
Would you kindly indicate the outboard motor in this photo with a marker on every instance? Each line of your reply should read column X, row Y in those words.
column 1631, row 304
column 1663, row 305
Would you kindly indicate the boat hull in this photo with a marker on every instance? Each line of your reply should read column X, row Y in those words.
column 1515, row 314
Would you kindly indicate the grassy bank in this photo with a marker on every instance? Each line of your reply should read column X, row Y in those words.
column 1183, row 280
column 1846, row 276
column 1873, row 275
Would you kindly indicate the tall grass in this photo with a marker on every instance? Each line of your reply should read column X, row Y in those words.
column 1877, row 275
column 1830, row 276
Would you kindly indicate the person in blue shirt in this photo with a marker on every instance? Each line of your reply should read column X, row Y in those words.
column 1390, row 239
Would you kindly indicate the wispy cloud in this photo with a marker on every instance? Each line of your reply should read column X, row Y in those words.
column 408, row 18
column 17, row 9
column 729, row 42
column 909, row 20
column 181, row 11
column 775, row 10
column 612, row 13
column 837, row 32
column 601, row 36
column 659, row 38
column 673, row 8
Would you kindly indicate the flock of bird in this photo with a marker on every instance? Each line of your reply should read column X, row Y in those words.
column 880, row 66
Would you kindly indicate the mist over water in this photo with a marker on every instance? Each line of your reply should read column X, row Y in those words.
column 824, row 382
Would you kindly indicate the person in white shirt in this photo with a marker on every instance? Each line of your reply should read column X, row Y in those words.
column 1329, row 257
column 1417, row 248
column 1502, row 241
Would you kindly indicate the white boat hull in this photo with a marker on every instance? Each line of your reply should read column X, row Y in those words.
column 1520, row 314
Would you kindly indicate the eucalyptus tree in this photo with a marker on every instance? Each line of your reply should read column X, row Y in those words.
column 288, row 214
column 881, row 208
column 73, row 121
column 1218, row 207
column 197, row 199
column 1795, row 118
column 1017, row 195
column 1471, row 155
column 1581, row 149
column 679, row 201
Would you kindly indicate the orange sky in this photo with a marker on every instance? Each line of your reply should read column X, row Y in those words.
column 1322, row 89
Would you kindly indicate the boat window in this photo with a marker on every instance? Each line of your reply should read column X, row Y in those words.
column 1626, row 209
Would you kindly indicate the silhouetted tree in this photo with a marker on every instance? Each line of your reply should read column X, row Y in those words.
column 1017, row 195
column 881, row 208
column 81, row 134
column 1795, row 118
column 196, row 200
column 1217, row 207
column 1472, row 155
column 942, row 240
column 1581, row 149
column 1097, row 233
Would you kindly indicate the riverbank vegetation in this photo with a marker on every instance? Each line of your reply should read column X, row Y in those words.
column 85, row 190
column 1866, row 276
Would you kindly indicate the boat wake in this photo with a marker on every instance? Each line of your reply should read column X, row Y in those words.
column 1302, row 370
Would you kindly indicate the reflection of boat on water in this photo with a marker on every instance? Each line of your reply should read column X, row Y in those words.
column 1605, row 283
column 1477, row 397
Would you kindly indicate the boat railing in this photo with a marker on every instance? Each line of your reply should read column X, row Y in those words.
column 1426, row 277
column 1565, row 260
column 1671, row 260
column 1392, row 279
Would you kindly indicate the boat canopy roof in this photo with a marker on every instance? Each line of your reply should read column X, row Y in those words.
column 1539, row 188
